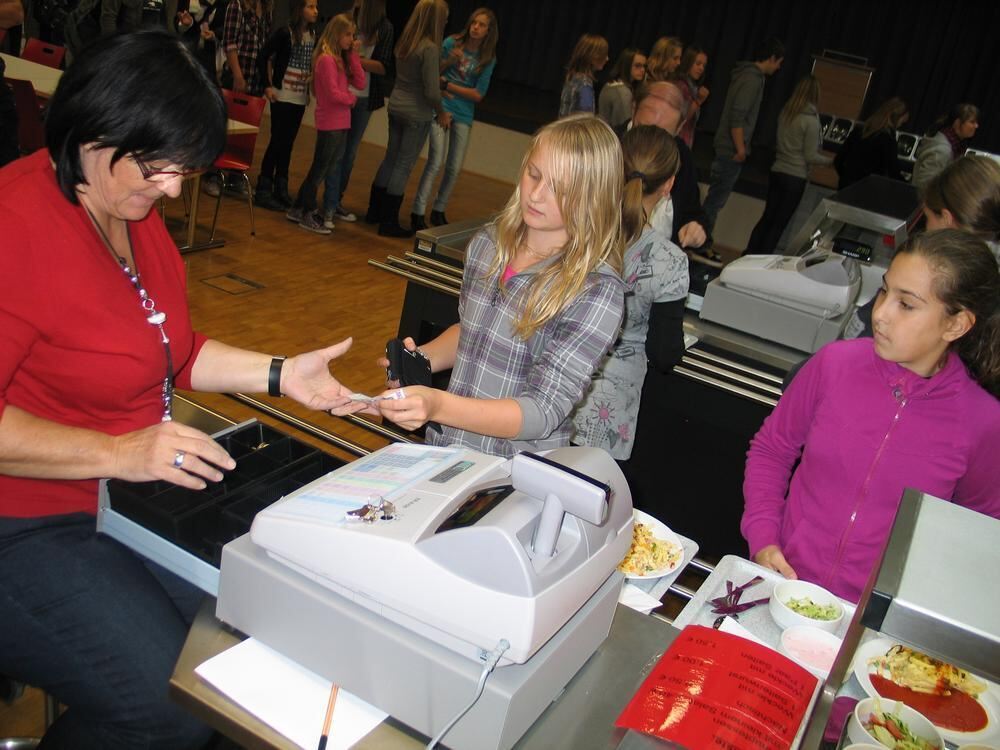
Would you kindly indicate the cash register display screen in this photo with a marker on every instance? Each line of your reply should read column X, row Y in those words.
column 475, row 507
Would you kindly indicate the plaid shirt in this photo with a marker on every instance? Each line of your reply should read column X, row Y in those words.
column 246, row 32
column 378, row 85
column 547, row 374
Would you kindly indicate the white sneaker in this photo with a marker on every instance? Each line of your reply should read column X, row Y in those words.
column 294, row 214
column 328, row 219
column 343, row 214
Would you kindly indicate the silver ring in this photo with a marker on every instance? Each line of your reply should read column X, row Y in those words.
column 179, row 459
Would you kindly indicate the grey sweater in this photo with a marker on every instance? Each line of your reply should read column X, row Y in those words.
column 614, row 105
column 746, row 89
column 798, row 144
column 417, row 93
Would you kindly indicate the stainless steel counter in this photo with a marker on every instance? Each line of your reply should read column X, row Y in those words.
column 582, row 717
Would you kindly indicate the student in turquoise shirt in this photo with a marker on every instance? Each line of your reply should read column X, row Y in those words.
column 467, row 62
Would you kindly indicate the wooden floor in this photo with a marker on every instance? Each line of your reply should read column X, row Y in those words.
column 287, row 290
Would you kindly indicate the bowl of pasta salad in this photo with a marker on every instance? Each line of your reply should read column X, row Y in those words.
column 656, row 551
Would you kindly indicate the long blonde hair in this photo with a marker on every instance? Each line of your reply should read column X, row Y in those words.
column 660, row 56
column 328, row 42
column 806, row 92
column 586, row 176
column 426, row 22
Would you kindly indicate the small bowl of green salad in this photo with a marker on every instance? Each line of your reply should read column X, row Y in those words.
column 803, row 603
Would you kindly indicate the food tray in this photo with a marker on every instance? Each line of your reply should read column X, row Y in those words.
column 657, row 587
column 758, row 620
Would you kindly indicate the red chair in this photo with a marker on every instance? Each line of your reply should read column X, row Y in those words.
column 44, row 53
column 30, row 130
column 238, row 154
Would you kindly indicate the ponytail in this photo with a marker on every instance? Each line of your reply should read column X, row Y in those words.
column 651, row 158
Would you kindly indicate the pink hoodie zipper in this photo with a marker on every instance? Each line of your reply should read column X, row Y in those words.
column 901, row 400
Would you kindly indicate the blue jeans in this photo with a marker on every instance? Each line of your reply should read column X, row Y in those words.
column 454, row 141
column 340, row 174
column 99, row 628
column 406, row 138
column 722, row 178
column 329, row 148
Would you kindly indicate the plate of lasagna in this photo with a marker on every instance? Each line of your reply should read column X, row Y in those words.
column 964, row 707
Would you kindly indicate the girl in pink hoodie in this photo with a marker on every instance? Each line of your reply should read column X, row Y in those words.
column 335, row 64
column 917, row 406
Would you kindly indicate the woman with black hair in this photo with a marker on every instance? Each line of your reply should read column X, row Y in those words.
column 94, row 335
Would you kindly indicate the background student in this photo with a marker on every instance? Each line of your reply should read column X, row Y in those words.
column 944, row 142
column 871, row 149
column 614, row 104
column 335, row 63
column 286, row 63
column 656, row 285
column 377, row 37
column 415, row 102
column 589, row 57
column 865, row 419
column 468, row 59
column 664, row 59
column 690, row 75
column 541, row 302
column 798, row 149
column 737, row 123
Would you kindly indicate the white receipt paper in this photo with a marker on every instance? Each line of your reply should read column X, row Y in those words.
column 288, row 697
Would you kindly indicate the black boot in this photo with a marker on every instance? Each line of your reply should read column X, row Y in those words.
column 264, row 195
column 438, row 219
column 389, row 224
column 281, row 193
column 374, row 215
column 417, row 222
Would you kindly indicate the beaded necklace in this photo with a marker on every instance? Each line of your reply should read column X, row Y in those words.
column 153, row 316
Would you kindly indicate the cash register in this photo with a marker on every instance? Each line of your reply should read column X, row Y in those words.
column 401, row 574
column 799, row 301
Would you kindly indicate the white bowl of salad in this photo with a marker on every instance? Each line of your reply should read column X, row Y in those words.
column 803, row 603
column 892, row 724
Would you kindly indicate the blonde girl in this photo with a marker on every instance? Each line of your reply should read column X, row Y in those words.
column 335, row 64
column 656, row 285
column 664, row 58
column 589, row 56
column 415, row 102
column 797, row 151
column 541, row 302
column 467, row 62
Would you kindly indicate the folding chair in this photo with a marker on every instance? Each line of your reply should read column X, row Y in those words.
column 238, row 154
column 44, row 53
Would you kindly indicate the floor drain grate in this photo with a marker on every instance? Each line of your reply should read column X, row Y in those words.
column 230, row 283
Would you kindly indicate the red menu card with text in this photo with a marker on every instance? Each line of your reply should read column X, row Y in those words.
column 713, row 689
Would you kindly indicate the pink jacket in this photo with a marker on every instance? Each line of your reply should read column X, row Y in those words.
column 865, row 429
column 333, row 99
